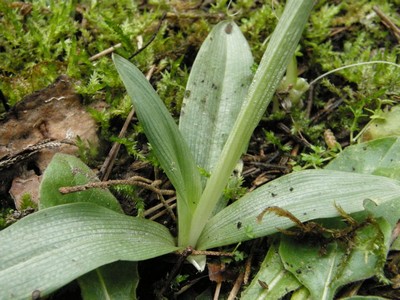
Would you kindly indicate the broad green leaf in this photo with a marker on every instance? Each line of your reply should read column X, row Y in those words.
column 308, row 195
column 217, row 86
column 117, row 280
column 67, row 170
column 47, row 249
column 324, row 273
column 378, row 157
column 110, row 282
column 168, row 144
column 278, row 281
column 280, row 50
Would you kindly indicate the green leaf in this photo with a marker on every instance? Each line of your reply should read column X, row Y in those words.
column 386, row 123
column 280, row 50
column 168, row 144
column 109, row 282
column 217, row 86
column 378, row 157
column 324, row 274
column 104, row 282
column 308, row 195
column 278, row 281
column 64, row 242
column 67, row 170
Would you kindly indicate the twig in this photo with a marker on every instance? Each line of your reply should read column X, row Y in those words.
column 209, row 253
column 167, row 207
column 158, row 206
column 183, row 255
column 236, row 287
column 152, row 37
column 217, row 290
column 387, row 22
column 161, row 213
column 108, row 164
column 105, row 52
column 135, row 180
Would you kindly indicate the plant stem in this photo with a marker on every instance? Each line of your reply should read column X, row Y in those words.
column 280, row 50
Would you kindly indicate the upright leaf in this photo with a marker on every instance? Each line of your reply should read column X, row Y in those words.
column 217, row 86
column 50, row 248
column 280, row 49
column 168, row 144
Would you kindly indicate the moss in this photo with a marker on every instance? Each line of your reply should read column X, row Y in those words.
column 36, row 49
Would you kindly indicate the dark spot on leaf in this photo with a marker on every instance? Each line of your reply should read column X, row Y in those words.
column 35, row 295
column 273, row 194
column 213, row 86
column 263, row 284
column 291, row 189
column 202, row 81
column 364, row 148
column 298, row 271
column 304, row 214
column 228, row 28
column 353, row 169
column 239, row 225
column 187, row 94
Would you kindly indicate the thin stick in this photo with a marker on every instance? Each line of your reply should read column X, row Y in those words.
column 387, row 22
column 217, row 291
column 161, row 213
column 158, row 206
column 135, row 180
column 167, row 207
column 236, row 287
column 109, row 162
column 210, row 253
column 185, row 253
column 105, row 52
column 152, row 37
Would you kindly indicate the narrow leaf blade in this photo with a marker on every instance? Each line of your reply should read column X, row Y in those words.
column 66, row 241
column 168, row 144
